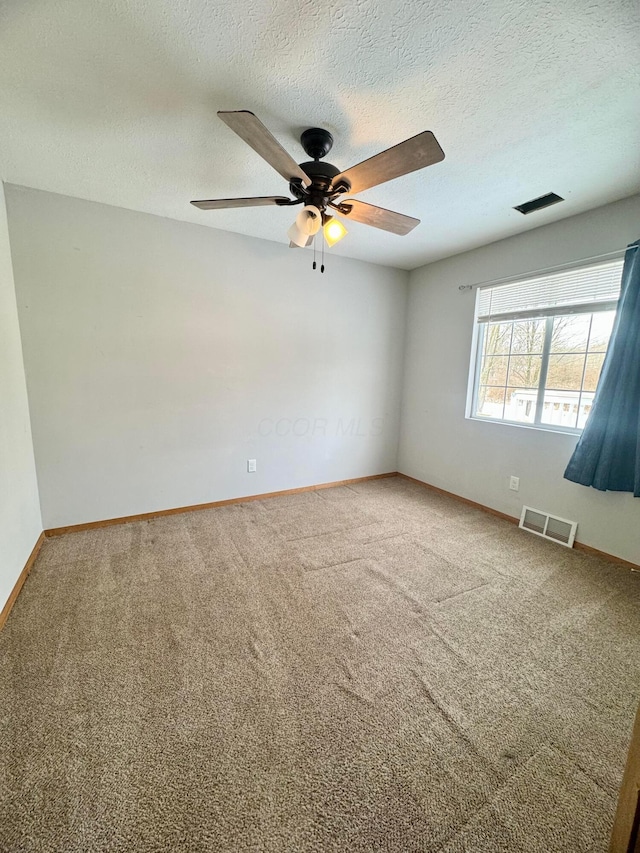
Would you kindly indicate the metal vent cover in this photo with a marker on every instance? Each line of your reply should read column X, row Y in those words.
column 538, row 203
column 548, row 526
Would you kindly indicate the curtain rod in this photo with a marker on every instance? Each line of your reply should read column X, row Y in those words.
column 616, row 253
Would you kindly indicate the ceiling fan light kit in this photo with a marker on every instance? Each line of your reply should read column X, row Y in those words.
column 319, row 185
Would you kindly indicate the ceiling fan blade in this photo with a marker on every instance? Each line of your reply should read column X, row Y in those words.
column 255, row 134
column 220, row 203
column 379, row 217
column 408, row 156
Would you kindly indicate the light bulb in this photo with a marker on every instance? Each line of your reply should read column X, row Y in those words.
column 334, row 230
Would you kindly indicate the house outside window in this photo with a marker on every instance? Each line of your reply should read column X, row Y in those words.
column 540, row 344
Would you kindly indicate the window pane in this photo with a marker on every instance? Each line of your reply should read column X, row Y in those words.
column 601, row 331
column 497, row 338
column 524, row 370
column 510, row 362
column 565, row 371
column 570, row 333
column 521, row 404
column 560, row 408
column 592, row 371
column 528, row 336
column 494, row 370
column 490, row 402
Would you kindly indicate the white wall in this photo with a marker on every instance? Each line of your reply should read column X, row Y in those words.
column 20, row 523
column 475, row 459
column 161, row 355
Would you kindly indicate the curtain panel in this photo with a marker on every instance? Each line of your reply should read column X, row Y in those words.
column 607, row 455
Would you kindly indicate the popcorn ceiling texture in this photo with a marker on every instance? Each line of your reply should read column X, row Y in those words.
column 365, row 668
column 115, row 102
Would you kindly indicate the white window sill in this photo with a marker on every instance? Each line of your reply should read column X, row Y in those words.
column 542, row 427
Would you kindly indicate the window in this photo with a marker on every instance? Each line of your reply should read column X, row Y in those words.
column 541, row 344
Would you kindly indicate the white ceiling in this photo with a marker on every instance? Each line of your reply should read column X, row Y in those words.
column 116, row 102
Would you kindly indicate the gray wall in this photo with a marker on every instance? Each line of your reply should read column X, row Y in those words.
column 20, row 523
column 161, row 355
column 474, row 459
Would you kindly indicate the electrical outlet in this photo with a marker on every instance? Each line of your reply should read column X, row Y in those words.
column 251, row 466
column 514, row 483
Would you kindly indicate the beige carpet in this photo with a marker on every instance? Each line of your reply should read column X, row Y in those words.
column 365, row 668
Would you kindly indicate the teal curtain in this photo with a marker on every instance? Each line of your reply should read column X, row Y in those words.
column 607, row 455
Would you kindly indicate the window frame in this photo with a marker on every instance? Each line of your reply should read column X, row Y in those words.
column 549, row 315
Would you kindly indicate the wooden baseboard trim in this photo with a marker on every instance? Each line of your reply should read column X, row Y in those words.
column 610, row 558
column 579, row 546
column 127, row 519
column 510, row 518
column 6, row 610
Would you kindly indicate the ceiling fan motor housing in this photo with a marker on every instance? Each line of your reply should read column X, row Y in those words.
column 317, row 143
column 321, row 191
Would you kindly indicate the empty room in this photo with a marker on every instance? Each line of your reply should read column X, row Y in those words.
column 319, row 427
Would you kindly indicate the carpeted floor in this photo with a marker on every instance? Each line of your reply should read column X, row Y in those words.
column 365, row 668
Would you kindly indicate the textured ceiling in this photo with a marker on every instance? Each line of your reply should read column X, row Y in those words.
column 116, row 102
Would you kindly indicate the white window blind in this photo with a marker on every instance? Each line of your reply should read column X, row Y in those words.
column 574, row 291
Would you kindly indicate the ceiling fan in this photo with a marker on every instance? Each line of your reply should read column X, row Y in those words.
column 319, row 185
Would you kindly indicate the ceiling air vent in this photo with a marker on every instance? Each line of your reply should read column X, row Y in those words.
column 538, row 203
column 550, row 526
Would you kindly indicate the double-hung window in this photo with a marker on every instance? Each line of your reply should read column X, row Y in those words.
column 540, row 345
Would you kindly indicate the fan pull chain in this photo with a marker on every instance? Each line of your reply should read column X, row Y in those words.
column 314, row 251
column 322, row 264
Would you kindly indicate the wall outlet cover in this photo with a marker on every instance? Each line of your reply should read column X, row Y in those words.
column 251, row 466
